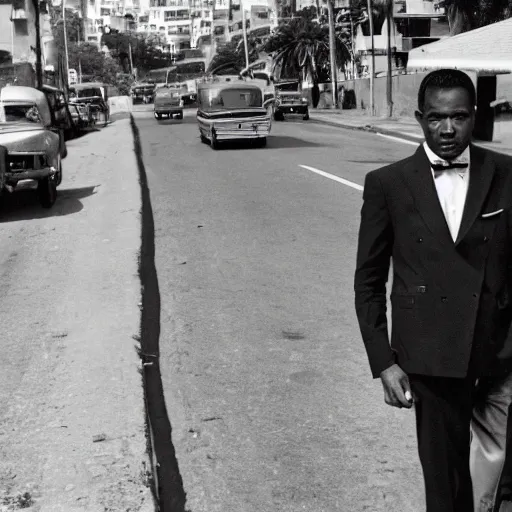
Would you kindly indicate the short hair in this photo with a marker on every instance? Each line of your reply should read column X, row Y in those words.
column 446, row 79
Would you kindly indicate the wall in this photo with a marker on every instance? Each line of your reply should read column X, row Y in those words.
column 405, row 91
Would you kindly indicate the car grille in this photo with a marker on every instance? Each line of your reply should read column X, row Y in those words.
column 26, row 162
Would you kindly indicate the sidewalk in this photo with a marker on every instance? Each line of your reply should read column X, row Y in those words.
column 405, row 128
column 72, row 408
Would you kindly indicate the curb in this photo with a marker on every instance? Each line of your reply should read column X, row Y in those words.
column 368, row 128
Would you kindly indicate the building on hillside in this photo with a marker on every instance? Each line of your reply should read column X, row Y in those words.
column 415, row 23
column 18, row 40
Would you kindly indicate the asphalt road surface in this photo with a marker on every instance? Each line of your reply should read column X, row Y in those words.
column 266, row 380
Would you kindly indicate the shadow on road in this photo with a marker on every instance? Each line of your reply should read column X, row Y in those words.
column 170, row 121
column 23, row 204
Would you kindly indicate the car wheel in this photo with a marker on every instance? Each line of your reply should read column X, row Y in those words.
column 306, row 116
column 278, row 116
column 204, row 140
column 47, row 191
column 180, row 115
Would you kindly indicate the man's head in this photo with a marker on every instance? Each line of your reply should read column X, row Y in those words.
column 446, row 111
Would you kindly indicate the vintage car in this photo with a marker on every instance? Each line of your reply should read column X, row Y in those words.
column 290, row 100
column 143, row 92
column 94, row 94
column 232, row 111
column 168, row 102
column 82, row 116
column 32, row 148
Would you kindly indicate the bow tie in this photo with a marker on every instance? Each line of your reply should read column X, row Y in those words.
column 445, row 166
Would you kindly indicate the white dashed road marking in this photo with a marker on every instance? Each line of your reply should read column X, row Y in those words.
column 398, row 139
column 333, row 177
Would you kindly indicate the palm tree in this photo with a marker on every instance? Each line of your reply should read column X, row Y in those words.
column 464, row 15
column 300, row 48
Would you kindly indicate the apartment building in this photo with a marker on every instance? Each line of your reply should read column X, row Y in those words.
column 18, row 38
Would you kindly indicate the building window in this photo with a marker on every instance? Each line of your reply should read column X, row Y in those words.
column 20, row 27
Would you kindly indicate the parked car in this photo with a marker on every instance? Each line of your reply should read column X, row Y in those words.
column 82, row 116
column 168, row 102
column 31, row 147
column 290, row 100
column 61, row 115
column 94, row 94
column 232, row 111
column 143, row 92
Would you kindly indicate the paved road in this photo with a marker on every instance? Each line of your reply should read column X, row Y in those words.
column 266, row 380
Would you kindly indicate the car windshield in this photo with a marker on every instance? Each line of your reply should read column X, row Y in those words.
column 88, row 93
column 19, row 113
column 231, row 98
column 289, row 87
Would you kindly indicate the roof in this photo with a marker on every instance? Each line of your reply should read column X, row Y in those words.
column 21, row 93
column 486, row 51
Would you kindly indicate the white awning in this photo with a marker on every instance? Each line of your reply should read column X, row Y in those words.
column 485, row 51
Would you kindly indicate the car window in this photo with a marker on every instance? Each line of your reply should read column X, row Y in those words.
column 23, row 114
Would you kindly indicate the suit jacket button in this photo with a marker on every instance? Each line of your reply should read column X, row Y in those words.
column 444, row 299
column 420, row 240
column 486, row 239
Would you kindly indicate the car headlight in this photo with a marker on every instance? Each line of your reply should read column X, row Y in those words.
column 304, row 100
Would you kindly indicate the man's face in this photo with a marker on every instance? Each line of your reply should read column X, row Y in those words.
column 447, row 120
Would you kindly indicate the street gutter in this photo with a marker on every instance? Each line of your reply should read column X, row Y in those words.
column 169, row 484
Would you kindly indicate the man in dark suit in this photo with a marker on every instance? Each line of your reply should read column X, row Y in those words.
column 444, row 218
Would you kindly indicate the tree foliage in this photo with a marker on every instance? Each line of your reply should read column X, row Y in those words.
column 300, row 47
column 146, row 50
column 230, row 57
column 74, row 27
column 464, row 15
column 95, row 65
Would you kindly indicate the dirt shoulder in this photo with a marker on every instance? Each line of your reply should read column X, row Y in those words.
column 72, row 416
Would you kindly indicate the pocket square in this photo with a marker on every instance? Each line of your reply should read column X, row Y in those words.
column 491, row 214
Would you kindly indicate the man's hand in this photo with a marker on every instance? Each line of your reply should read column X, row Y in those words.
column 397, row 390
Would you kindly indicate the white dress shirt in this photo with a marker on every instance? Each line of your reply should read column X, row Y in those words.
column 452, row 188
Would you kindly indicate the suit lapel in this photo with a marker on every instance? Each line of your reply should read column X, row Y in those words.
column 421, row 185
column 481, row 173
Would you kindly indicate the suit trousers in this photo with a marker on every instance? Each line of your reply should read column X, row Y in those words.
column 461, row 428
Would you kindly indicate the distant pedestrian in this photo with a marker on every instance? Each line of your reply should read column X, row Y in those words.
column 444, row 218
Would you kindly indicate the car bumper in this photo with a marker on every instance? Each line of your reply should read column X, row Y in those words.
column 228, row 133
column 168, row 110
column 30, row 174
column 292, row 109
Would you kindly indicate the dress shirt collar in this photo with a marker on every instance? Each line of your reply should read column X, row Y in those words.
column 434, row 159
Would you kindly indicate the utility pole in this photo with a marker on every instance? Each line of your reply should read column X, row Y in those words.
column 131, row 58
column 66, row 78
column 39, row 63
column 372, row 70
column 244, row 32
column 332, row 54
column 390, row 62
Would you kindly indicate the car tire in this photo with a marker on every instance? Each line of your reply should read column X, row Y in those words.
column 262, row 142
column 47, row 191
column 180, row 115
column 305, row 117
column 204, row 140
column 278, row 116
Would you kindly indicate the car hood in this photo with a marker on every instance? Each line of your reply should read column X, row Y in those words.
column 16, row 138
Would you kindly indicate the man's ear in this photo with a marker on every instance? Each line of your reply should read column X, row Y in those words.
column 418, row 115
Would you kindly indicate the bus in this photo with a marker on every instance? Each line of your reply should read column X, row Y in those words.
column 180, row 72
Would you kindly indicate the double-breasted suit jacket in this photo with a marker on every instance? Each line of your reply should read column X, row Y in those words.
column 451, row 302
